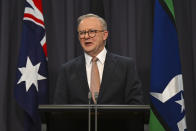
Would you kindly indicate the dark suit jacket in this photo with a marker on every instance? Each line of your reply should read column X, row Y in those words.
column 120, row 83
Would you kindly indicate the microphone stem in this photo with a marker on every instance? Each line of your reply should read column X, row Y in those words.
column 89, row 111
column 96, row 118
column 96, row 98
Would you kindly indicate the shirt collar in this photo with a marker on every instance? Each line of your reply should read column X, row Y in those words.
column 101, row 56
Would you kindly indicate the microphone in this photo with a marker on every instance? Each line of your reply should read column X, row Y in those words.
column 89, row 111
column 89, row 97
column 96, row 98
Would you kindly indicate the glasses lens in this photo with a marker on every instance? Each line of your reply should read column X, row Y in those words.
column 92, row 33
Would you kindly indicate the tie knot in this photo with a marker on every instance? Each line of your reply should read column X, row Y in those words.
column 94, row 59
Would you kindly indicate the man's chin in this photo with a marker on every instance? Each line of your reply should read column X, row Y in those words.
column 90, row 52
column 88, row 49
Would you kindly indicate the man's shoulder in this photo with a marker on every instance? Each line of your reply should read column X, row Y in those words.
column 73, row 62
column 120, row 58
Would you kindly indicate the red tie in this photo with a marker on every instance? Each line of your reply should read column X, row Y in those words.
column 95, row 79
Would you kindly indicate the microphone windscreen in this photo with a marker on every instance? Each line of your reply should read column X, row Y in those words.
column 89, row 95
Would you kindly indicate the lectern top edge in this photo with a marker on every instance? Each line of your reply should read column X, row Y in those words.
column 86, row 106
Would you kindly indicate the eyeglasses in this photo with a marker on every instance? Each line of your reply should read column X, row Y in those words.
column 91, row 33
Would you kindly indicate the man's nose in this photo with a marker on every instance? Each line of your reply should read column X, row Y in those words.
column 86, row 36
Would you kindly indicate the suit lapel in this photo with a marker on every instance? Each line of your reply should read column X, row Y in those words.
column 108, row 70
column 82, row 74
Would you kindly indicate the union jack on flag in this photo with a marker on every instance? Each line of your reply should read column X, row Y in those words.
column 31, row 87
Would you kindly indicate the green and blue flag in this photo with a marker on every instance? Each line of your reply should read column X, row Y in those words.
column 167, row 101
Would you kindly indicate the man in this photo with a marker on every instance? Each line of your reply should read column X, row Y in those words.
column 117, row 81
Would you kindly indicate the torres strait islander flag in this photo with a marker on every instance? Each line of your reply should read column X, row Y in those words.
column 167, row 101
column 31, row 88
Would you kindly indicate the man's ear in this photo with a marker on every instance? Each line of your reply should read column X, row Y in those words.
column 105, row 35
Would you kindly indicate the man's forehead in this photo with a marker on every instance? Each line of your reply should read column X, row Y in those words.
column 90, row 22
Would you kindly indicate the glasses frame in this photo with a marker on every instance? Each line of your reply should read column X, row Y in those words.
column 94, row 32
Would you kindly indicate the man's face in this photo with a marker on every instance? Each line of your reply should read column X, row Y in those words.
column 92, row 45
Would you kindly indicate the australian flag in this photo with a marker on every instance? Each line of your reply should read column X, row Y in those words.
column 31, row 88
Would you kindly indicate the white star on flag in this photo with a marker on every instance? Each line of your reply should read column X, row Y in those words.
column 30, row 75
column 181, row 102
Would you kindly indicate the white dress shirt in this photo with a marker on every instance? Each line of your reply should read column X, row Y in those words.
column 100, row 63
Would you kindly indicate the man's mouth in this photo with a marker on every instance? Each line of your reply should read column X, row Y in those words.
column 88, row 43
